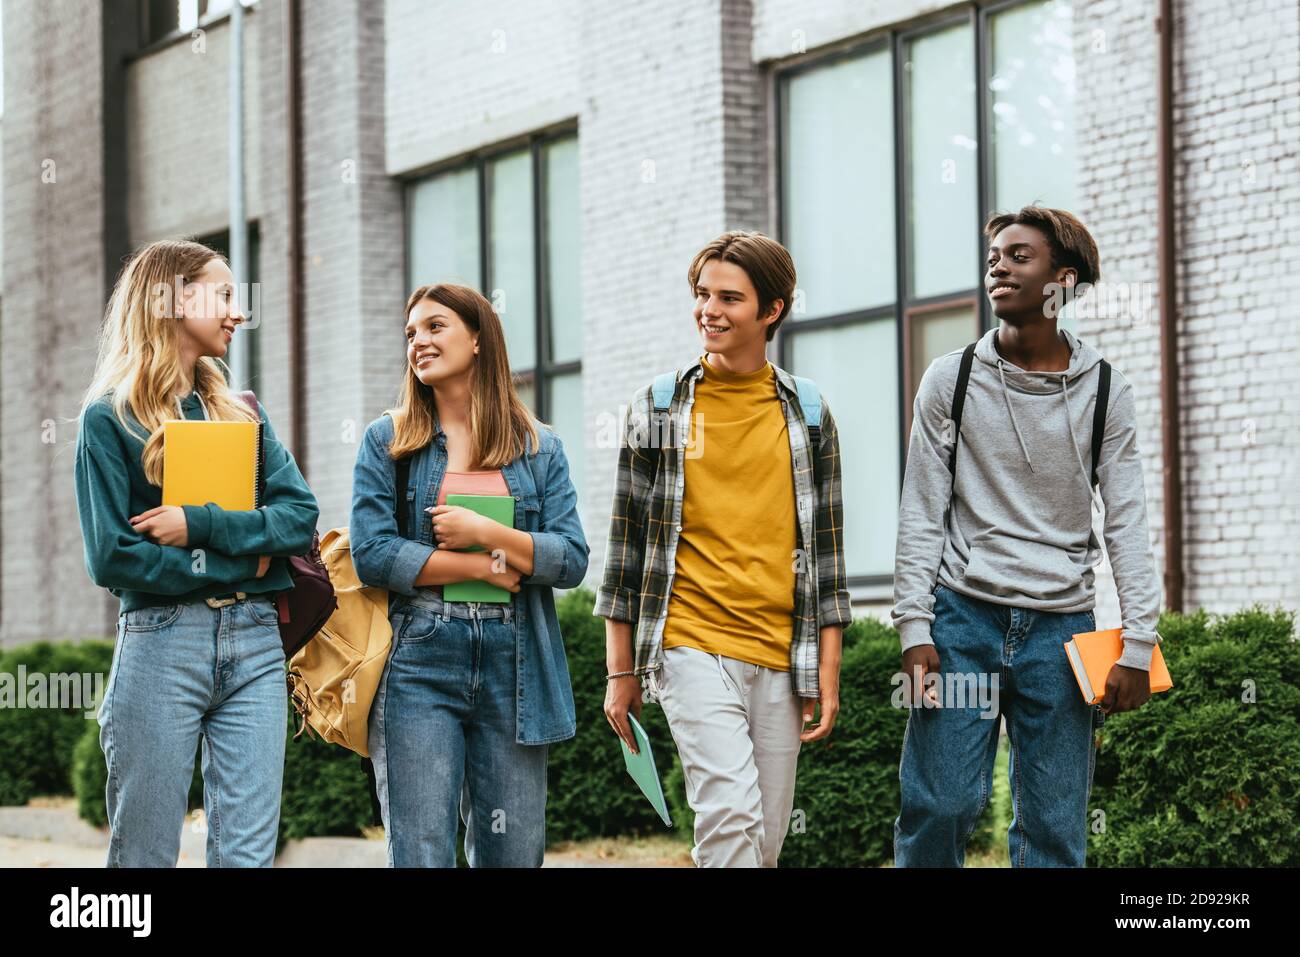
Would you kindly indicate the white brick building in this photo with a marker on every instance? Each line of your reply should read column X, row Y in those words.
column 570, row 157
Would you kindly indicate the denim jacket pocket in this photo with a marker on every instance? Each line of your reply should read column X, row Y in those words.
column 530, row 511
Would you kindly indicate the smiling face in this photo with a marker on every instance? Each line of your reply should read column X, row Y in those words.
column 1020, row 272
column 439, row 345
column 209, row 312
column 726, row 310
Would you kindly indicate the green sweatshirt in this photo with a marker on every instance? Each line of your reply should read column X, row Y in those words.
column 224, row 546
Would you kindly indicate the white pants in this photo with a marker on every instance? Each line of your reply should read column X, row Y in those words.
column 737, row 729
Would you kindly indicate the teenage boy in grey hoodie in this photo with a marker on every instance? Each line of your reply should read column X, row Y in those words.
column 993, row 568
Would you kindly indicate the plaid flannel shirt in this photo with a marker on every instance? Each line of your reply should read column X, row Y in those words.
column 646, row 522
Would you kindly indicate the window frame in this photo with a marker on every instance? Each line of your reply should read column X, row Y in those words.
column 977, row 15
column 538, row 376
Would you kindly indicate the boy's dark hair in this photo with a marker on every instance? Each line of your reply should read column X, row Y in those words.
column 767, row 263
column 1068, row 239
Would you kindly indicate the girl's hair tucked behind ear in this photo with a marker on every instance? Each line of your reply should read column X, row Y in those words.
column 139, row 352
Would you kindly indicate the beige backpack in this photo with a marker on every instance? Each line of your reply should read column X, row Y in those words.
column 333, row 678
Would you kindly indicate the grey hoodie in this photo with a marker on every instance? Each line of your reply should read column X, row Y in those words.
column 1020, row 528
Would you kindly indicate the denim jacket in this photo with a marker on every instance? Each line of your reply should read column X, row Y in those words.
column 545, row 507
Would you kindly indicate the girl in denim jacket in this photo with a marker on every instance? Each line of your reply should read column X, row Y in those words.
column 473, row 692
column 198, row 652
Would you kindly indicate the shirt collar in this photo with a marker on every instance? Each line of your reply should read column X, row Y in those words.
column 784, row 380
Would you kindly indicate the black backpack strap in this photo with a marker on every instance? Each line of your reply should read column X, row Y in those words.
column 1099, row 416
column 959, row 402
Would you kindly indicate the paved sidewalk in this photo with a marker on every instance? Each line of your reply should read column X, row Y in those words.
column 52, row 835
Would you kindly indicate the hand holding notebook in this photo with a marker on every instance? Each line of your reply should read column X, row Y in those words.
column 1092, row 654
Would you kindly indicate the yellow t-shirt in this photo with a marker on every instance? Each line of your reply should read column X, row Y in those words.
column 734, row 580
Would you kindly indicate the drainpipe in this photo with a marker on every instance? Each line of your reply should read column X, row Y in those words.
column 242, row 370
column 1166, row 247
column 293, row 137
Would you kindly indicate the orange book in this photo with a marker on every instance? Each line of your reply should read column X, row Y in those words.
column 1093, row 653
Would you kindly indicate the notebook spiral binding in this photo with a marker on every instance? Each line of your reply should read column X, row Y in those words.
column 258, row 467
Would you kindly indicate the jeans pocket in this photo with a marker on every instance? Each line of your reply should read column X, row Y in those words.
column 420, row 626
column 264, row 610
column 152, row 618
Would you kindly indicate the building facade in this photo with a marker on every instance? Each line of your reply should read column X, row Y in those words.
column 569, row 158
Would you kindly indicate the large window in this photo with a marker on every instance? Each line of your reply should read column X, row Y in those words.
column 508, row 223
column 892, row 155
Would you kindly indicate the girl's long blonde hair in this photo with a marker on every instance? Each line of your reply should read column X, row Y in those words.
column 501, row 427
column 139, row 353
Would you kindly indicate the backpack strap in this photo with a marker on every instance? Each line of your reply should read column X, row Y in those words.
column 399, row 490
column 810, row 402
column 1099, row 416
column 959, row 402
column 665, row 385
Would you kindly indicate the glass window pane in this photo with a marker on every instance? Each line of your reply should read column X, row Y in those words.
column 512, row 280
column 1032, row 97
column 856, row 368
column 942, row 170
column 837, row 181
column 525, row 388
column 563, row 248
column 442, row 238
column 564, row 404
column 935, row 333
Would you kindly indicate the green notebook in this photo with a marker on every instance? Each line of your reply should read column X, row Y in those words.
column 642, row 768
column 501, row 509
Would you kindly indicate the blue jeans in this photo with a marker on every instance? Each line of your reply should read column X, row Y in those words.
column 180, row 673
column 442, row 740
column 948, row 753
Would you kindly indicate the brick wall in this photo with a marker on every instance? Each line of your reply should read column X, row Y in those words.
column 53, row 298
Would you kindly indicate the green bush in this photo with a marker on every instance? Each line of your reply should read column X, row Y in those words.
column 39, row 741
column 325, row 789
column 1202, row 776
column 589, row 792
column 846, row 793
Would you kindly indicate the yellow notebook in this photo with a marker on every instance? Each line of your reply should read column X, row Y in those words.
column 1093, row 653
column 210, row 462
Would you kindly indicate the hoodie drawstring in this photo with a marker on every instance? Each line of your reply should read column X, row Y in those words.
column 1074, row 443
column 1014, row 424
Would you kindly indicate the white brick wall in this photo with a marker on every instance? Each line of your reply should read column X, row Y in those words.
column 1237, row 117
column 464, row 76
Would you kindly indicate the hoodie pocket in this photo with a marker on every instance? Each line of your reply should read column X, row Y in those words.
column 1016, row 567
